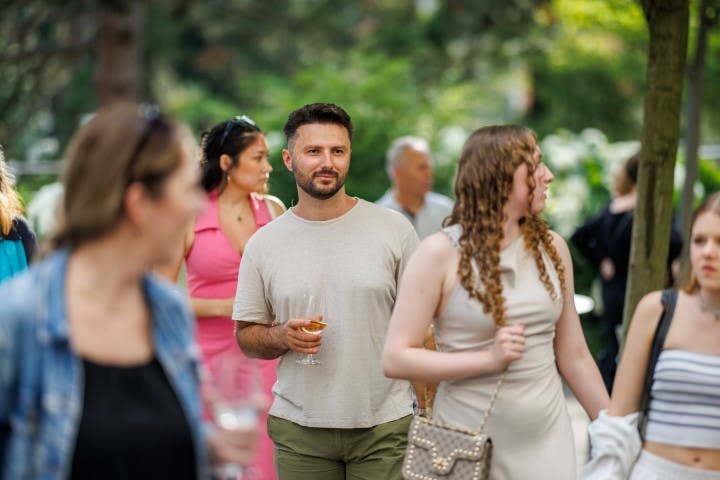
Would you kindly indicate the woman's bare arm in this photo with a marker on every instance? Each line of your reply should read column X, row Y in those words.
column 574, row 360
column 426, row 277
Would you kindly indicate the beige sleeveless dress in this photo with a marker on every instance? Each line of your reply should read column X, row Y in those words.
column 529, row 425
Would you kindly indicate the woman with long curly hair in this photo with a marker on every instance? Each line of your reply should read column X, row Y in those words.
column 497, row 286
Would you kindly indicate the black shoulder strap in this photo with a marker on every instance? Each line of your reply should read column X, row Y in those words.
column 669, row 299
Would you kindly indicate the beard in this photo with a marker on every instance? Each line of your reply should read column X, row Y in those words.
column 320, row 192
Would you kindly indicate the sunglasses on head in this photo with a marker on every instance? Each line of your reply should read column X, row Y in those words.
column 154, row 120
column 240, row 121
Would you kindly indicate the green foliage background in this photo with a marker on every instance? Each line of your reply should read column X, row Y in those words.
column 437, row 69
column 573, row 70
column 431, row 68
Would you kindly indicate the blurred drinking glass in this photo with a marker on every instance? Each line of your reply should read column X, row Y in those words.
column 237, row 402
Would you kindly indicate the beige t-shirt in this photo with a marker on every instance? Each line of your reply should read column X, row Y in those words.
column 352, row 263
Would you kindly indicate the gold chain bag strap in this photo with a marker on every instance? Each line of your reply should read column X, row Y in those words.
column 437, row 451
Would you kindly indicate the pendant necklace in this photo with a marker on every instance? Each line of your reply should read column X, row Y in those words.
column 230, row 206
column 238, row 215
column 705, row 308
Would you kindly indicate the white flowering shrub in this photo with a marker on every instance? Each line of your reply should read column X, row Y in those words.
column 584, row 165
column 43, row 208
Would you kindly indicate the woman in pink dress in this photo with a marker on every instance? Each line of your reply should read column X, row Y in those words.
column 235, row 173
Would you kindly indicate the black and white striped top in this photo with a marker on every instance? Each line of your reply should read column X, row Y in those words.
column 685, row 405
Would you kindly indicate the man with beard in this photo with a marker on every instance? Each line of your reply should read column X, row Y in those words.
column 341, row 418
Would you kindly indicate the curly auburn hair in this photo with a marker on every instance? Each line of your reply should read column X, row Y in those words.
column 484, row 180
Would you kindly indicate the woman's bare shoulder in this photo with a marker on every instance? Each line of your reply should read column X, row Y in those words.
column 651, row 303
column 438, row 245
column 647, row 313
column 558, row 241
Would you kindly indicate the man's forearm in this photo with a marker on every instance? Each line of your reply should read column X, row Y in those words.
column 261, row 341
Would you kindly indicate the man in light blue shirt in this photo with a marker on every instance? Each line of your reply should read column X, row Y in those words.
column 410, row 169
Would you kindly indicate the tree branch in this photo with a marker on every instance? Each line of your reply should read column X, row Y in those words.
column 45, row 51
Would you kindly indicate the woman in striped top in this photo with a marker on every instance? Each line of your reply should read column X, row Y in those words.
column 682, row 438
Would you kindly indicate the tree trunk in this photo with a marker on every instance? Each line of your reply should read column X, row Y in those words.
column 696, row 87
column 668, row 25
column 119, row 74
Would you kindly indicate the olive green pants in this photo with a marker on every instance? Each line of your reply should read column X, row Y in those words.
column 306, row 453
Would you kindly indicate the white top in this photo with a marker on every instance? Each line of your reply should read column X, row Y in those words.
column 353, row 264
column 429, row 218
column 685, row 405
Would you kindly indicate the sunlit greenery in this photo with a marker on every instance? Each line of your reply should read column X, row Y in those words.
column 437, row 69
column 573, row 70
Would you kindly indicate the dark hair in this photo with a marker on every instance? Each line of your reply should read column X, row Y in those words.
column 631, row 167
column 120, row 145
column 626, row 177
column 317, row 113
column 230, row 138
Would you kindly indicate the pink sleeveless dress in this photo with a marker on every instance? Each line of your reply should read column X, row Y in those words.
column 212, row 270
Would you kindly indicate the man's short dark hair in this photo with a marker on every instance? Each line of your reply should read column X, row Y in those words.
column 317, row 113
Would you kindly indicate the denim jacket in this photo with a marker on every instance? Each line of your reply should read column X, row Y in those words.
column 41, row 378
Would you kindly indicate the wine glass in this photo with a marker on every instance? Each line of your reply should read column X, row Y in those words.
column 236, row 401
column 311, row 310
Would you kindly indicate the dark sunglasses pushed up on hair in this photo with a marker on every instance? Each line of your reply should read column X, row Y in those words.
column 154, row 120
column 240, row 121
